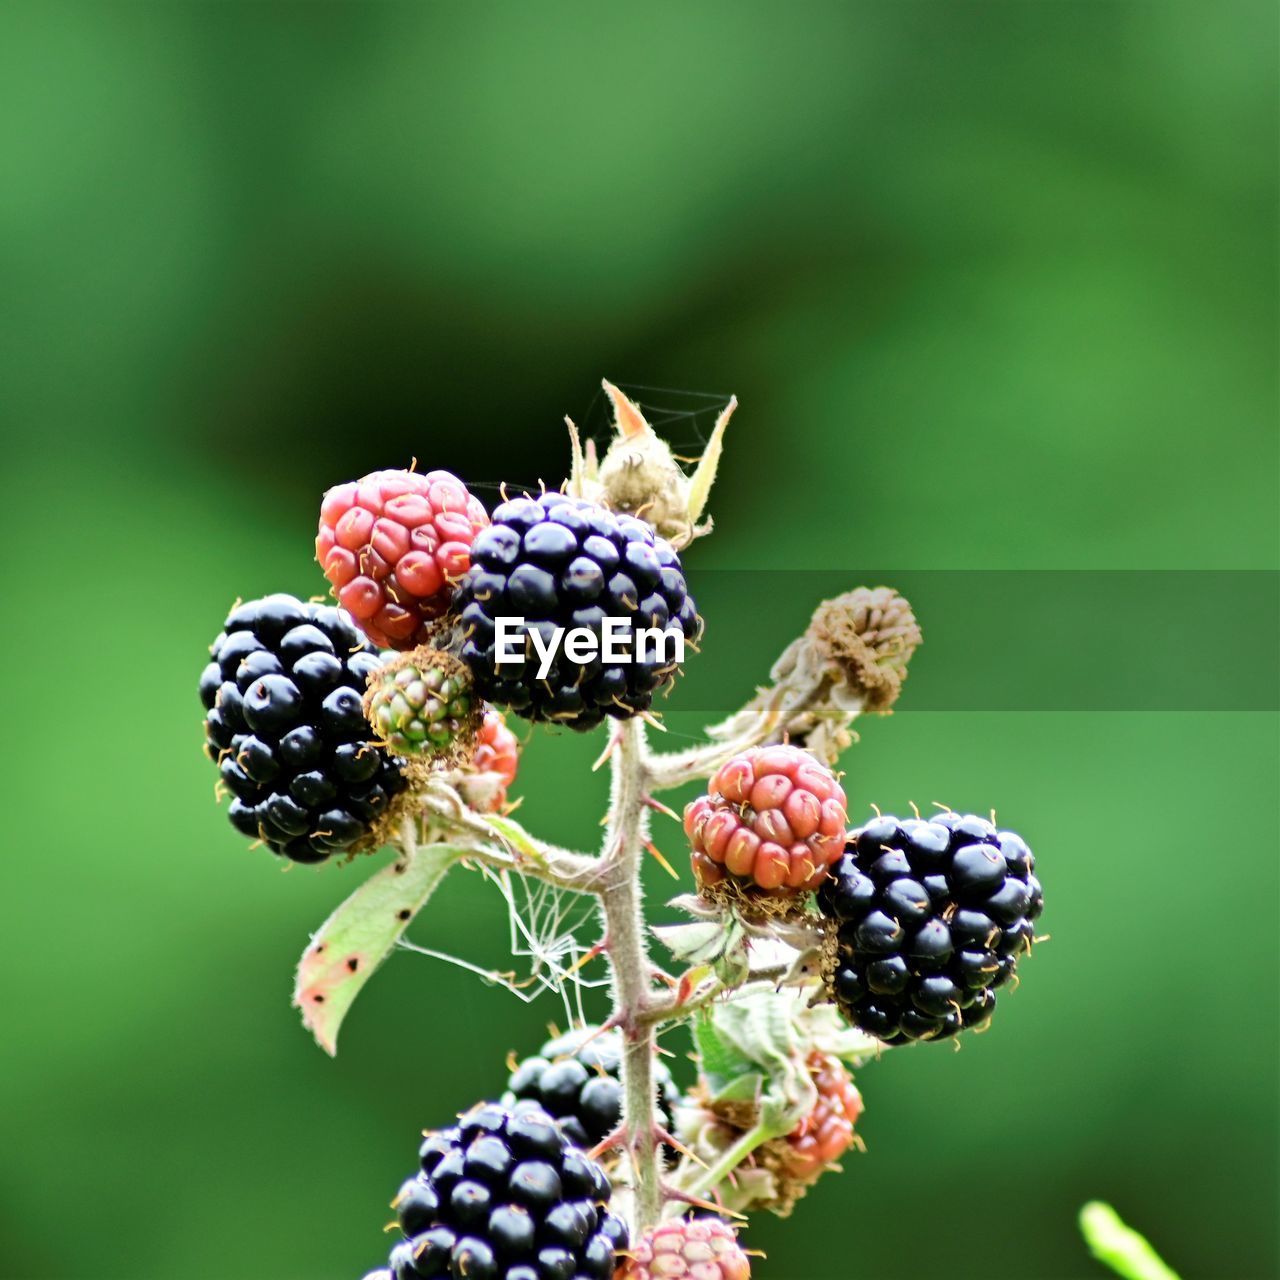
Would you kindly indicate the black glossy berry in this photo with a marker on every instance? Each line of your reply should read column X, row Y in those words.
column 286, row 728
column 576, row 1079
column 505, row 1196
column 930, row 918
column 562, row 561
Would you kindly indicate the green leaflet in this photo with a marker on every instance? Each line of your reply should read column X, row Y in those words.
column 359, row 936
column 722, row 1061
column 1120, row 1247
column 750, row 1050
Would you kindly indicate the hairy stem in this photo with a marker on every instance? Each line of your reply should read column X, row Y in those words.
column 622, row 906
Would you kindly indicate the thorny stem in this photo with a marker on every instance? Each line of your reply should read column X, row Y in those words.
column 627, row 949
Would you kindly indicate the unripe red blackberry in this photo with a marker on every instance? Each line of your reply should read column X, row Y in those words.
column 422, row 704
column 557, row 561
column 285, row 724
column 826, row 1133
column 576, row 1078
column 503, row 1196
column 929, row 918
column 687, row 1249
column 393, row 545
column 771, row 823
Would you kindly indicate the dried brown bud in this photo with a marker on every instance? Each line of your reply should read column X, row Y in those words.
column 869, row 635
column 851, row 659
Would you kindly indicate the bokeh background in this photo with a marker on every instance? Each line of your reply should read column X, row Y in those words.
column 996, row 286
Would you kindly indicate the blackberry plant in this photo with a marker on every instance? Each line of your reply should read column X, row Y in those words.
column 808, row 951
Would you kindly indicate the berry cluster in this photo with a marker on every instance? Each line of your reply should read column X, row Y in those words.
column 826, row 1133
column 421, row 703
column 772, row 821
column 576, row 1079
column 687, row 1249
column 287, row 730
column 505, row 1197
column 558, row 561
column 930, row 918
column 392, row 545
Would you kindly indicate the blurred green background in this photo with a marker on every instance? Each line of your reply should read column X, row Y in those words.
column 996, row 286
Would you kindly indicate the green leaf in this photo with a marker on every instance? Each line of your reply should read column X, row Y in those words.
column 1120, row 1247
column 359, row 936
column 699, row 941
column 721, row 1060
column 744, row 1089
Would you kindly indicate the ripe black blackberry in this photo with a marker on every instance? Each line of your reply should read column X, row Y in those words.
column 505, row 1196
column 286, row 727
column 561, row 561
column 576, row 1079
column 931, row 917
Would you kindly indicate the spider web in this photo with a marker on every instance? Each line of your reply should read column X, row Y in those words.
column 545, row 936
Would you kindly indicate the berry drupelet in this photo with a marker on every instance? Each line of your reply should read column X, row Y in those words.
column 687, row 1249
column 576, row 1079
column 826, row 1133
column 930, row 918
column 505, row 1197
column 557, row 561
column 771, row 823
column 422, row 704
column 392, row 546
column 285, row 725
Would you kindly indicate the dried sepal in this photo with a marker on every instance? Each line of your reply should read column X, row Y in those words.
column 851, row 659
column 639, row 474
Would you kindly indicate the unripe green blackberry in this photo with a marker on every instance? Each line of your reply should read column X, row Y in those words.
column 422, row 704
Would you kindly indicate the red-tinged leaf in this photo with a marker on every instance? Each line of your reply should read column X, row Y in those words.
column 359, row 936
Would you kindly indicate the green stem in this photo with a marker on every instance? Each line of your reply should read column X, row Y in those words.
column 1119, row 1246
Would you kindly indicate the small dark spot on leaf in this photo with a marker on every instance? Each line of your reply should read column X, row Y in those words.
column 320, row 946
column 353, row 963
column 403, row 914
column 318, row 999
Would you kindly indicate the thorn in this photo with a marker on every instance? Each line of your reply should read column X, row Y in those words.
column 674, row 1193
column 653, row 721
column 669, row 1140
column 659, row 807
column 617, row 1138
column 587, row 956
column 615, row 737
column 662, row 862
